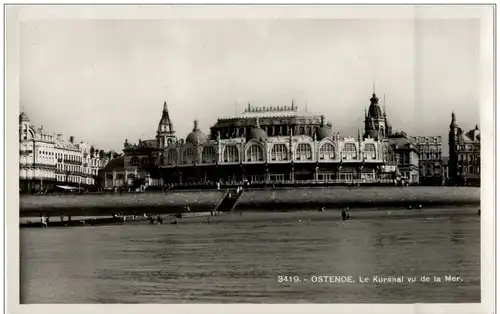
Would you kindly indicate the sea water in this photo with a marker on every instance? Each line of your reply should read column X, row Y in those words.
column 256, row 258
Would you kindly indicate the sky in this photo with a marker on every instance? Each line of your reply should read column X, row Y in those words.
column 104, row 81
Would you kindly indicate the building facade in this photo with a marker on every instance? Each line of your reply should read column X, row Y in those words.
column 464, row 165
column 407, row 157
column 431, row 162
column 264, row 145
column 47, row 160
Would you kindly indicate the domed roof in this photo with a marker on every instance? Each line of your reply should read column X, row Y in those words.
column 324, row 131
column 23, row 117
column 374, row 111
column 257, row 133
column 196, row 137
column 114, row 164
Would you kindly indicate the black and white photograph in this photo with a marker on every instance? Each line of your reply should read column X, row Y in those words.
column 244, row 154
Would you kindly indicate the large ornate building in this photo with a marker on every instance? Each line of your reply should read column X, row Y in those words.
column 431, row 161
column 271, row 145
column 464, row 165
column 47, row 160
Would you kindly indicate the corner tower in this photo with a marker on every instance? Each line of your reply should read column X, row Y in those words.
column 375, row 120
column 165, row 135
column 453, row 141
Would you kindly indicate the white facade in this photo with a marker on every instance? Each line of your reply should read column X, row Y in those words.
column 46, row 158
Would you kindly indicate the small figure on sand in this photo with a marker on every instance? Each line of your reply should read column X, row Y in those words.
column 345, row 214
column 208, row 219
column 322, row 209
column 44, row 220
column 159, row 219
column 151, row 219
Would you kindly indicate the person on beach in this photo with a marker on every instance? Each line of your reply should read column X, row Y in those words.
column 151, row 220
column 208, row 219
column 158, row 218
column 44, row 221
column 344, row 215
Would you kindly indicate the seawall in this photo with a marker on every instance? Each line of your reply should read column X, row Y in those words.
column 279, row 199
column 356, row 197
column 106, row 204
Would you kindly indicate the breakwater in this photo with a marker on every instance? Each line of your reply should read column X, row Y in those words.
column 356, row 197
column 252, row 199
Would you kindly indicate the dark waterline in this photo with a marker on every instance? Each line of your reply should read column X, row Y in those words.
column 239, row 258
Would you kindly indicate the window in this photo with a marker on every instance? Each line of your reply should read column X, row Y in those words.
column 208, row 155
column 349, row 151
column 279, row 152
column 188, row 156
column 231, row 154
column 303, row 152
column 370, row 152
column 255, row 153
column 327, row 152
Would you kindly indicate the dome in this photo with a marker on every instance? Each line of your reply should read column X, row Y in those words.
column 196, row 137
column 114, row 164
column 324, row 131
column 374, row 111
column 23, row 117
column 257, row 133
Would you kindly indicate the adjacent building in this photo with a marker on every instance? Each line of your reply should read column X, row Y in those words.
column 431, row 162
column 47, row 160
column 464, row 165
column 407, row 157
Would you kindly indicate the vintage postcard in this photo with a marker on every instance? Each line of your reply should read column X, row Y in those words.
column 250, row 158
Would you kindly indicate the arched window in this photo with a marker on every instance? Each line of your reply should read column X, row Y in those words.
column 303, row 152
column 208, row 155
column 188, row 156
column 327, row 152
column 349, row 151
column 279, row 152
column 231, row 154
column 370, row 152
column 255, row 153
column 172, row 157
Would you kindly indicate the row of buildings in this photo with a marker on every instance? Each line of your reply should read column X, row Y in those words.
column 48, row 161
column 280, row 145
column 270, row 145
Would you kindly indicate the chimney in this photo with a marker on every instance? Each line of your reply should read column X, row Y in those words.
column 71, row 139
column 195, row 125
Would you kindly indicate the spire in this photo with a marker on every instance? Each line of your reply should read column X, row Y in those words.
column 373, row 87
column 385, row 111
column 195, row 127
column 165, row 109
column 453, row 123
column 359, row 136
column 293, row 105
